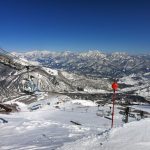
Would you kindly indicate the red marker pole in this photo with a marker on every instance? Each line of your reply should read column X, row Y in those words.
column 114, row 96
column 115, row 87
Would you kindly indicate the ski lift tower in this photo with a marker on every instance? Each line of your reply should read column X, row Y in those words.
column 27, row 67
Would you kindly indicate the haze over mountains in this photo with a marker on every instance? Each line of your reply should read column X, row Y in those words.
column 92, row 63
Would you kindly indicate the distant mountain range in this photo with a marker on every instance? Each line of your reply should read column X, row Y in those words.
column 69, row 72
column 92, row 63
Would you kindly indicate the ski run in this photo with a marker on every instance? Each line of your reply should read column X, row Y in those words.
column 57, row 122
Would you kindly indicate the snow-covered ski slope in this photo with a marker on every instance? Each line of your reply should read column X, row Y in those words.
column 132, row 136
column 49, row 124
column 49, row 127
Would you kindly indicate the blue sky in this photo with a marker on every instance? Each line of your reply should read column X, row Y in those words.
column 107, row 25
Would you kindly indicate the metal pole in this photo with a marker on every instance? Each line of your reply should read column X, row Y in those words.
column 126, row 114
column 114, row 96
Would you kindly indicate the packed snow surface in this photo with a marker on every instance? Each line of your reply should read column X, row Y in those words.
column 132, row 136
column 84, row 102
column 50, row 123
